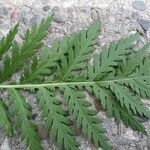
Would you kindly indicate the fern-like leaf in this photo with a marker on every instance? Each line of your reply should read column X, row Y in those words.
column 85, row 118
column 135, row 60
column 114, row 108
column 118, row 78
column 129, row 100
column 110, row 57
column 139, row 84
column 55, row 120
column 20, row 55
column 5, row 118
column 6, row 42
column 43, row 65
column 76, row 47
column 22, row 112
column 79, row 46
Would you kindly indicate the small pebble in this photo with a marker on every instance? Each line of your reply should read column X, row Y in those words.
column 23, row 18
column 46, row 8
column 45, row 1
column 94, row 14
column 58, row 18
column 4, row 11
column 55, row 9
column 21, row 35
column 98, row 43
column 41, row 131
column 35, row 19
column 139, row 5
column 140, row 30
column 135, row 15
column 18, row 39
column 145, row 24
column 45, row 144
column 34, row 116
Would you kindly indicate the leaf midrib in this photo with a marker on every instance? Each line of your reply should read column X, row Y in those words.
column 55, row 84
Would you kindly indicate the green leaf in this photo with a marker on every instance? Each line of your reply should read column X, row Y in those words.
column 56, row 120
column 6, row 42
column 5, row 118
column 79, row 46
column 85, row 118
column 118, row 77
column 139, row 84
column 43, row 65
column 114, row 108
column 129, row 100
column 134, row 61
column 73, row 47
column 22, row 112
column 20, row 55
column 140, row 87
column 110, row 57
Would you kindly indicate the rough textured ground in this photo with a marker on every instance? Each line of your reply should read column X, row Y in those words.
column 119, row 18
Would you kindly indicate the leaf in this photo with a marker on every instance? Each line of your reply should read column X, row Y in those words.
column 114, row 108
column 134, row 73
column 110, row 57
column 140, row 84
column 43, row 65
column 134, row 61
column 118, row 77
column 129, row 100
column 22, row 112
column 67, row 46
column 79, row 46
column 6, row 42
column 85, row 118
column 20, row 55
column 55, row 120
column 5, row 118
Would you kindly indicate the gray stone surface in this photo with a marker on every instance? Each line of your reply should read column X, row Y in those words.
column 5, row 145
column 4, row 10
column 46, row 8
column 58, row 18
column 2, row 136
column 118, row 18
column 139, row 5
column 145, row 24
